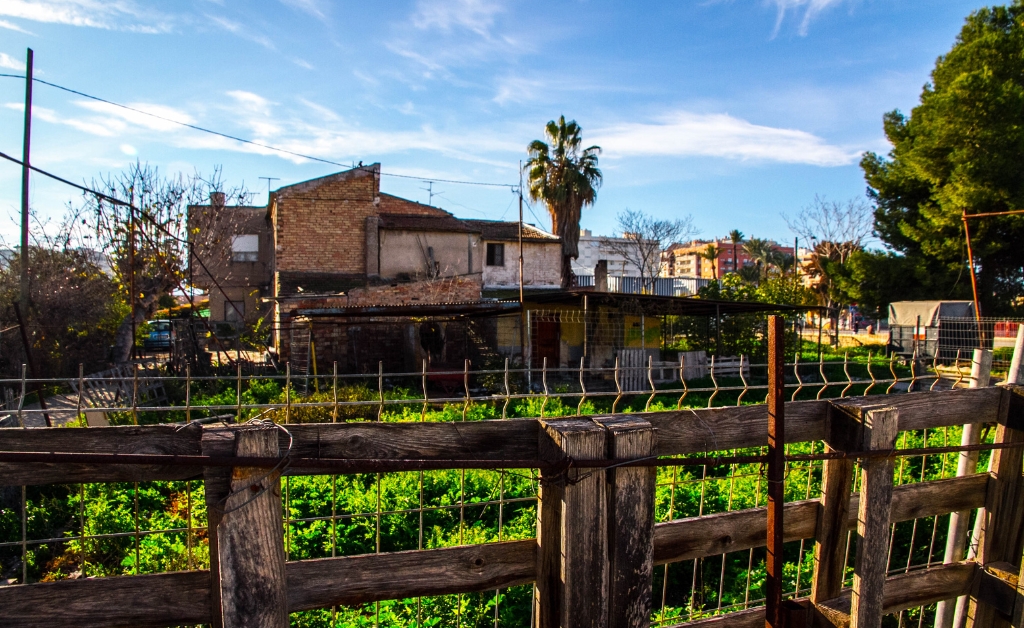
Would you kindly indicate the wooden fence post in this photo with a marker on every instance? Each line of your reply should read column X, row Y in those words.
column 250, row 543
column 572, row 538
column 1001, row 537
column 630, row 522
column 852, row 428
column 830, row 535
column 880, row 429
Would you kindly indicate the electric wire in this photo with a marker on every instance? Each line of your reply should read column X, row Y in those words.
column 252, row 142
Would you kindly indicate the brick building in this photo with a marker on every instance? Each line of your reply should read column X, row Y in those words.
column 338, row 242
column 684, row 260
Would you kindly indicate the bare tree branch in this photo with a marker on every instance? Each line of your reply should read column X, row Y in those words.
column 643, row 237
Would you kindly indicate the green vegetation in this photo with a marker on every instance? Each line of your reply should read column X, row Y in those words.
column 357, row 514
column 957, row 153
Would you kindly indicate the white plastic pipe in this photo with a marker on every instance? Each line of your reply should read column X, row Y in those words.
column 967, row 464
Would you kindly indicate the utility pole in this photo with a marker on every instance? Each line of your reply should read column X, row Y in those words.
column 25, row 169
column 522, row 307
column 131, row 265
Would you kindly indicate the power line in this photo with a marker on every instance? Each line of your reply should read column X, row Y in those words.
column 251, row 142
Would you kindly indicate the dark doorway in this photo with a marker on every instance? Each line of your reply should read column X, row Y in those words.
column 545, row 341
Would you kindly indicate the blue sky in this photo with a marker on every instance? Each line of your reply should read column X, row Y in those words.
column 734, row 111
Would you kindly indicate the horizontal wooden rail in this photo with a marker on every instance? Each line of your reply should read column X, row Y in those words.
column 902, row 592
column 679, row 432
column 183, row 597
column 711, row 535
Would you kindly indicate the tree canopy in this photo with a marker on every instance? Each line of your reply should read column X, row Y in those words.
column 961, row 152
column 565, row 176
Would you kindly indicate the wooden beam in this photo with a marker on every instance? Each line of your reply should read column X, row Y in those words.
column 351, row 580
column 366, row 578
column 711, row 429
column 831, row 530
column 1001, row 536
column 906, row 591
column 721, row 533
column 630, row 522
column 148, row 439
column 902, row 592
column 572, row 573
column 250, row 545
column 873, row 520
column 164, row 599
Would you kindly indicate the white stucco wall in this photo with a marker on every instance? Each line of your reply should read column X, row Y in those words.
column 542, row 266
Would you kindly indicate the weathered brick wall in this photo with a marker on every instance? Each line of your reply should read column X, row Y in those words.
column 320, row 224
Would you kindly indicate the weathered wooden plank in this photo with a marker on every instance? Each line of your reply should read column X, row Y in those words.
column 909, row 590
column 353, row 580
column 996, row 585
column 716, row 429
column 250, row 546
column 940, row 408
column 514, row 439
column 574, row 594
column 148, row 439
column 1002, row 523
column 630, row 522
column 902, row 592
column 164, row 599
column 873, row 514
column 831, row 530
column 712, row 535
column 216, row 488
column 750, row 618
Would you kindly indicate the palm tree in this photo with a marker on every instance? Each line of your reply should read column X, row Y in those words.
column 736, row 237
column 711, row 253
column 566, row 177
column 760, row 251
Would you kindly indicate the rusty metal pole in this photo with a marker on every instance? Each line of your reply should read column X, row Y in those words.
column 776, row 471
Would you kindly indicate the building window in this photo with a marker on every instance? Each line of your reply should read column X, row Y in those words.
column 495, row 254
column 245, row 248
column 234, row 311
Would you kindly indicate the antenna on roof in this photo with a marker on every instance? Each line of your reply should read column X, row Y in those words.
column 430, row 192
column 268, row 180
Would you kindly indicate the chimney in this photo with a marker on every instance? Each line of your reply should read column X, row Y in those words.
column 217, row 199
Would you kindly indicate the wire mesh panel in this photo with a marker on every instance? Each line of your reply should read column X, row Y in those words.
column 95, row 530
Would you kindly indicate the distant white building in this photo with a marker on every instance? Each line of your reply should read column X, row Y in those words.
column 596, row 248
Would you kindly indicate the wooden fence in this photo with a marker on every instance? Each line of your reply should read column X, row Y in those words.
column 597, row 544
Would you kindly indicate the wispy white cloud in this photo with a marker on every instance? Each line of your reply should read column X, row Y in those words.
column 107, row 14
column 810, row 9
column 685, row 134
column 14, row 27
column 111, row 112
column 239, row 29
column 9, row 62
column 315, row 8
column 302, row 63
column 474, row 15
column 448, row 33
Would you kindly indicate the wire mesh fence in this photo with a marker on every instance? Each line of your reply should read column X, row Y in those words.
column 95, row 530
